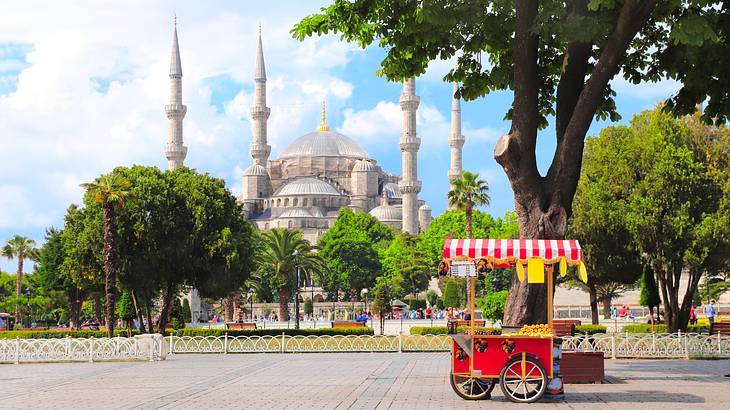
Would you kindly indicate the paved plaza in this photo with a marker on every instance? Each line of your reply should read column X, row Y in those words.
column 335, row 380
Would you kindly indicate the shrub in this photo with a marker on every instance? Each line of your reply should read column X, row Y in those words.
column 439, row 304
column 590, row 329
column 415, row 303
column 276, row 332
column 492, row 305
column 698, row 328
column 442, row 330
column 176, row 324
column 58, row 334
column 644, row 328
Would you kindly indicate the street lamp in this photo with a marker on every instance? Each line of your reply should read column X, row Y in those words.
column 296, row 300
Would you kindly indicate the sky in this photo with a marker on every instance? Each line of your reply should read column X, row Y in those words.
column 83, row 86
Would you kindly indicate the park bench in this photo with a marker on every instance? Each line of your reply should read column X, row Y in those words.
column 565, row 327
column 348, row 324
column 721, row 328
column 241, row 326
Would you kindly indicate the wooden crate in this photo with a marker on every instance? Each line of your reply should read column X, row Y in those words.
column 582, row 367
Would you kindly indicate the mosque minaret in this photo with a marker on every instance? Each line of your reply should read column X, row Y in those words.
column 175, row 151
column 456, row 140
column 409, row 184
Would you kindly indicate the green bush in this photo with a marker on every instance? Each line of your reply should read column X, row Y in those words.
column 644, row 328
column 698, row 328
column 492, row 305
column 590, row 329
column 276, row 332
column 439, row 304
column 176, row 324
column 415, row 303
column 58, row 334
column 442, row 330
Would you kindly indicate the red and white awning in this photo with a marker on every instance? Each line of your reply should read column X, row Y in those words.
column 506, row 252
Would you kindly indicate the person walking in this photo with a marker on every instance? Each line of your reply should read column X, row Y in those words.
column 692, row 314
column 710, row 311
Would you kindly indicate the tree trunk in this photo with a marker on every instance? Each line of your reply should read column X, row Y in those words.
column 76, row 298
column 148, row 310
column 100, row 319
column 165, row 311
column 283, row 305
column 19, row 291
column 138, row 313
column 110, row 268
column 606, row 302
column 593, row 302
column 229, row 308
column 468, row 217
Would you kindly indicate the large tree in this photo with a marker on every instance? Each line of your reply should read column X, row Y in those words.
column 109, row 191
column 406, row 259
column 599, row 219
column 20, row 248
column 452, row 223
column 558, row 57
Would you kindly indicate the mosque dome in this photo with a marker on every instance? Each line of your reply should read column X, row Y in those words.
column 364, row 165
column 387, row 213
column 324, row 144
column 301, row 213
column 255, row 169
column 307, row 186
column 392, row 190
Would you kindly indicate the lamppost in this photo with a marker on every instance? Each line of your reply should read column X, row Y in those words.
column 250, row 302
column 296, row 300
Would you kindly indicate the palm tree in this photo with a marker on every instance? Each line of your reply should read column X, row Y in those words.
column 20, row 248
column 468, row 191
column 281, row 252
column 109, row 191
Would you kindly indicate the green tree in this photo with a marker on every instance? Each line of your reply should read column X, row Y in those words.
column 599, row 217
column 559, row 59
column 382, row 297
column 451, row 223
column 186, row 314
column 432, row 297
column 282, row 251
column 109, row 191
column 467, row 193
column 649, row 295
column 351, row 250
column 125, row 310
column 20, row 248
column 405, row 258
column 308, row 307
column 454, row 293
column 492, row 305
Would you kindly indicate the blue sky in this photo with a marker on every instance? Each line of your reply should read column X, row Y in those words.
column 83, row 85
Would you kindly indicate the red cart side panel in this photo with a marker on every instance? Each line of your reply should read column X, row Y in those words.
column 491, row 353
column 460, row 361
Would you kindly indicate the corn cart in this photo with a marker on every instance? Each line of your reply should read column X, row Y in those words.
column 522, row 360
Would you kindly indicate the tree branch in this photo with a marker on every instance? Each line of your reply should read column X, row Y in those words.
column 565, row 170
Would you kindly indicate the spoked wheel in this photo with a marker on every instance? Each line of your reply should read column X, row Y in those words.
column 472, row 388
column 523, row 385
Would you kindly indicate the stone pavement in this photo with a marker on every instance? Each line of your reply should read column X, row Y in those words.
column 336, row 380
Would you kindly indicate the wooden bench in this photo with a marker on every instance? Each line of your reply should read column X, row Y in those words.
column 348, row 324
column 565, row 327
column 720, row 327
column 582, row 367
column 241, row 326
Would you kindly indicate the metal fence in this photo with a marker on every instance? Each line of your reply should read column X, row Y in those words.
column 143, row 347
column 155, row 347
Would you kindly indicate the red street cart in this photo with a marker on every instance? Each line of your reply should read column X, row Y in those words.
column 521, row 362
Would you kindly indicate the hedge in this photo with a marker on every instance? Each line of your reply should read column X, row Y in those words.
column 414, row 304
column 58, row 334
column 442, row 330
column 662, row 328
column 590, row 329
column 275, row 332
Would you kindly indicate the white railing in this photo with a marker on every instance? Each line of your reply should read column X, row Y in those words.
column 143, row 347
column 654, row 346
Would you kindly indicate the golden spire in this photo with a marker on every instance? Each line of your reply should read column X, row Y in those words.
column 323, row 125
column 385, row 197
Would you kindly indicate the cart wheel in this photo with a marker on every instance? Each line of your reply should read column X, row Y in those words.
column 518, row 390
column 472, row 388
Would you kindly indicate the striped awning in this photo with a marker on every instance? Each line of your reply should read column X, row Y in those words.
column 506, row 252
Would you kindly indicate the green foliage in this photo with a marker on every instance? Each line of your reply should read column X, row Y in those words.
column 492, row 305
column 276, row 332
column 125, row 307
column 58, row 334
column 176, row 324
column 414, row 304
column 432, row 297
column 452, row 223
column 406, row 259
column 590, row 329
column 468, row 192
column 644, row 328
column 185, row 314
column 454, row 293
column 649, row 295
column 308, row 306
column 674, row 40
column 698, row 328
column 351, row 249
column 439, row 304
column 442, row 330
